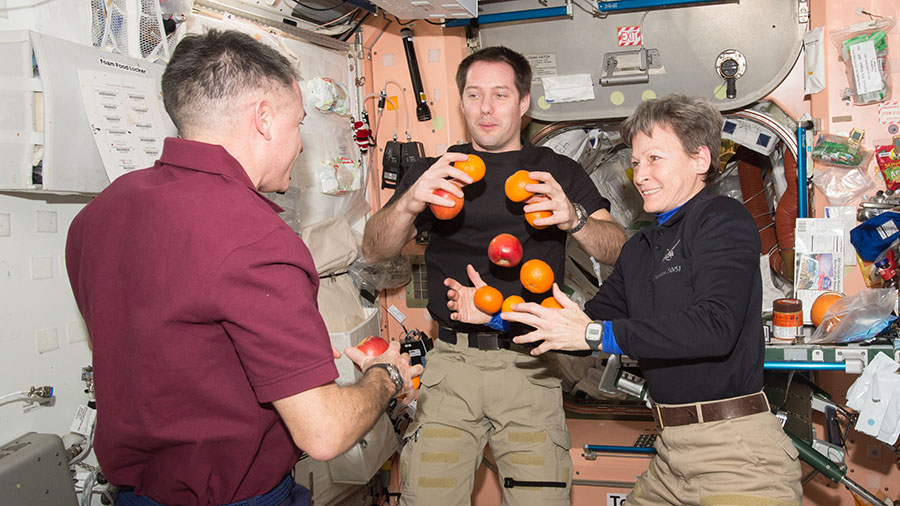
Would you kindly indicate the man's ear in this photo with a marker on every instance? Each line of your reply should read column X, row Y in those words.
column 524, row 104
column 263, row 114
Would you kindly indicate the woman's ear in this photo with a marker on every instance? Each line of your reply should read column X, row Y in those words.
column 701, row 159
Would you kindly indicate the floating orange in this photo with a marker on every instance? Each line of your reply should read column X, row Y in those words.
column 821, row 306
column 510, row 302
column 530, row 217
column 515, row 186
column 488, row 299
column 551, row 303
column 474, row 167
column 536, row 276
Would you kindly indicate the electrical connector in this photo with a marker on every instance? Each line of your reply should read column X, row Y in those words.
column 382, row 98
column 44, row 392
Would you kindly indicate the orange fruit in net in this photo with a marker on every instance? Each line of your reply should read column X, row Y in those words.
column 821, row 306
column 551, row 303
column 515, row 186
column 536, row 276
column 488, row 299
column 474, row 167
column 510, row 302
column 530, row 217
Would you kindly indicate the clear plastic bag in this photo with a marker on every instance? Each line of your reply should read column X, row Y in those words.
column 857, row 317
column 376, row 276
column 864, row 51
column 838, row 151
column 328, row 95
column 843, row 187
column 613, row 180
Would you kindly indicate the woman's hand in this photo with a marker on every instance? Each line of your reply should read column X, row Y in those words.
column 559, row 329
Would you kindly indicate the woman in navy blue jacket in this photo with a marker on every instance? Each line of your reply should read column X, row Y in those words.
column 684, row 300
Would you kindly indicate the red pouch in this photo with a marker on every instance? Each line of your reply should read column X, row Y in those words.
column 889, row 164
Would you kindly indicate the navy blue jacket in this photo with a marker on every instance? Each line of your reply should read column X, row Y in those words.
column 685, row 300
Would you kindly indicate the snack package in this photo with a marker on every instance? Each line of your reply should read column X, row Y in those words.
column 889, row 164
column 864, row 51
column 839, row 151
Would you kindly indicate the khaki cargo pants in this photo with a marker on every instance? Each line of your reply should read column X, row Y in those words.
column 740, row 462
column 470, row 397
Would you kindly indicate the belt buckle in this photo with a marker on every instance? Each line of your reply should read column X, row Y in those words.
column 487, row 341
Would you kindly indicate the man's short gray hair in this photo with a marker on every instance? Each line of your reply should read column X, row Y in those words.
column 208, row 70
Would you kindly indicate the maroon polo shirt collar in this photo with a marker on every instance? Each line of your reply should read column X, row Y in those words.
column 209, row 158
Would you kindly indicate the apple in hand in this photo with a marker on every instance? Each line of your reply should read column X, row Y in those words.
column 444, row 212
column 505, row 250
column 372, row 346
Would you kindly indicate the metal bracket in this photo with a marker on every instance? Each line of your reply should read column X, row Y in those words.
column 854, row 360
column 632, row 66
column 803, row 11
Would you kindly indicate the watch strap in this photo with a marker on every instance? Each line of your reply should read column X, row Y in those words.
column 593, row 335
column 393, row 373
column 581, row 213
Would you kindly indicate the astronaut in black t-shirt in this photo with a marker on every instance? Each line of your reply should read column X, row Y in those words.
column 479, row 387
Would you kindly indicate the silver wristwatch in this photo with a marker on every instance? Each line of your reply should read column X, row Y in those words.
column 582, row 217
column 394, row 375
column 593, row 334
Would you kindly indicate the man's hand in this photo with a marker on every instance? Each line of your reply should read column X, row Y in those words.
column 559, row 329
column 549, row 196
column 461, row 299
column 421, row 193
column 391, row 356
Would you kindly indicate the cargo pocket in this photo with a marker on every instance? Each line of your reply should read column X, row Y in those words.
column 406, row 471
column 545, row 392
column 561, row 467
column 431, row 395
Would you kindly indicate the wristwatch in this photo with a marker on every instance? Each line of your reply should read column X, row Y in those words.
column 582, row 217
column 394, row 375
column 593, row 334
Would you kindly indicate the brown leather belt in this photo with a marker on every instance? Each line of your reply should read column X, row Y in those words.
column 712, row 411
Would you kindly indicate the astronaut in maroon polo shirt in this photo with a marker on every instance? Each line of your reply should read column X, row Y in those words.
column 212, row 365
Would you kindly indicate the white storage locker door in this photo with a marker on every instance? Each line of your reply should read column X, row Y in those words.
column 18, row 135
column 72, row 162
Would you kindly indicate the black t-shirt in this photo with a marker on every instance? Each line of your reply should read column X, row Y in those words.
column 486, row 213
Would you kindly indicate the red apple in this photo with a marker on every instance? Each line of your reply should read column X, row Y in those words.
column 372, row 346
column 443, row 212
column 505, row 250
